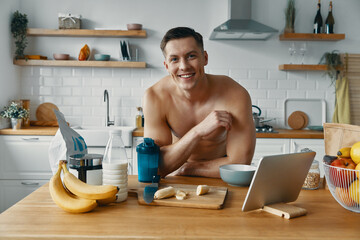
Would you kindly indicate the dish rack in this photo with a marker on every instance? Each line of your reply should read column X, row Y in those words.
column 344, row 185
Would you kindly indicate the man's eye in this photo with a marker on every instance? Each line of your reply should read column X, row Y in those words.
column 173, row 59
column 192, row 56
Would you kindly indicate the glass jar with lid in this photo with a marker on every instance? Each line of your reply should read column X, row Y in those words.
column 312, row 180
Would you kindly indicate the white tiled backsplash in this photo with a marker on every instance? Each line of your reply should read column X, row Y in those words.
column 78, row 92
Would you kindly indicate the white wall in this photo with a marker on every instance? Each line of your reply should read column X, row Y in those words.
column 9, row 74
column 78, row 91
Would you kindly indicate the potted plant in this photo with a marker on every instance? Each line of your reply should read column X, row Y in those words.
column 16, row 113
column 333, row 62
column 18, row 29
column 290, row 17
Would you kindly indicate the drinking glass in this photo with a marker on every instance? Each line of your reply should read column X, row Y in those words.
column 302, row 51
column 292, row 52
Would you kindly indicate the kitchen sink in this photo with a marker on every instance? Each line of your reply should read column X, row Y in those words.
column 99, row 136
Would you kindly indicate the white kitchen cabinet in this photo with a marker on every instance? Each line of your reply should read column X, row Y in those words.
column 136, row 141
column 24, row 166
column 270, row 146
column 12, row 191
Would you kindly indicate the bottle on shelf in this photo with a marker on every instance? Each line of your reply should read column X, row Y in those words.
column 116, row 164
column 318, row 22
column 139, row 118
column 329, row 23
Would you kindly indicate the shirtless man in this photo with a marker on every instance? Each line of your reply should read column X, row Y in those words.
column 200, row 121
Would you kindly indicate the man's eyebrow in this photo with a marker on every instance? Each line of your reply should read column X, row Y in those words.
column 190, row 52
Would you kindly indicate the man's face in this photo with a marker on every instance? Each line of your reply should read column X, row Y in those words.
column 185, row 62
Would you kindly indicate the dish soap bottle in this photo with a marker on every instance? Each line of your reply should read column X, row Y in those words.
column 139, row 118
column 115, row 165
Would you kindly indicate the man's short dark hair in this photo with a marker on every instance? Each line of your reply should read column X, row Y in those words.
column 181, row 32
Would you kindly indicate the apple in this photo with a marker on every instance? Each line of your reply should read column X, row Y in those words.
column 344, row 196
column 340, row 173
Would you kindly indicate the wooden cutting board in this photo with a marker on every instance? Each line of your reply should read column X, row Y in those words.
column 45, row 112
column 214, row 199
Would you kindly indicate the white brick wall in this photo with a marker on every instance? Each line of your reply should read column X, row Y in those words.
column 78, row 92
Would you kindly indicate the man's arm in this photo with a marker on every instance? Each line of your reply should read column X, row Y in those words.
column 240, row 142
column 175, row 155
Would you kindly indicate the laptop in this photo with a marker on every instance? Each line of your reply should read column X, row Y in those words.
column 278, row 179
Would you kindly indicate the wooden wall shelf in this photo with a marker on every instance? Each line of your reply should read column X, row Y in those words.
column 86, row 33
column 75, row 63
column 302, row 67
column 311, row 37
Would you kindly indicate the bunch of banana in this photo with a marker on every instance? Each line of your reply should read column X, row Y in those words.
column 69, row 199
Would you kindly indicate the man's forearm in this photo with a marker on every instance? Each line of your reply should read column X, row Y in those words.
column 208, row 168
column 175, row 155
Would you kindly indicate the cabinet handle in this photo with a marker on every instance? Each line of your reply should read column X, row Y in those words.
column 30, row 183
column 30, row 139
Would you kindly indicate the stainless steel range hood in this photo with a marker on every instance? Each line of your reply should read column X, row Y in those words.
column 240, row 26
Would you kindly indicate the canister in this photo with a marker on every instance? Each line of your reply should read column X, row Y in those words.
column 87, row 167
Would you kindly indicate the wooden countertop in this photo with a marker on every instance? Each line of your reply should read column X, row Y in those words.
column 281, row 133
column 37, row 217
column 32, row 130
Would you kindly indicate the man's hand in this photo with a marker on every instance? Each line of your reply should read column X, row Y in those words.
column 213, row 121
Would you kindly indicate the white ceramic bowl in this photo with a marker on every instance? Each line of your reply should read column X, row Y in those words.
column 134, row 26
column 239, row 175
column 61, row 56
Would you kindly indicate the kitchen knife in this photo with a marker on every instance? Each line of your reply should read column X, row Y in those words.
column 151, row 189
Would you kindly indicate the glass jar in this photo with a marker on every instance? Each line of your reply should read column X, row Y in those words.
column 115, row 165
column 312, row 180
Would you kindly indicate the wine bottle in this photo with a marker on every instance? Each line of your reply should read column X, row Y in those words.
column 318, row 22
column 329, row 23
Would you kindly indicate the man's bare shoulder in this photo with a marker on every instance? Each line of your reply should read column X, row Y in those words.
column 227, row 85
column 159, row 90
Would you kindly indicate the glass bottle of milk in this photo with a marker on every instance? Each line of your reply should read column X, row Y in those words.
column 115, row 164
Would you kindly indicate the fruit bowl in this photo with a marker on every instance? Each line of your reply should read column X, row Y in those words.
column 344, row 185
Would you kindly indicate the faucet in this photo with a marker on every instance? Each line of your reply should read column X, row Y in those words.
column 106, row 99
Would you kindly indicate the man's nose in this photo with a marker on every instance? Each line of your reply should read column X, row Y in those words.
column 183, row 64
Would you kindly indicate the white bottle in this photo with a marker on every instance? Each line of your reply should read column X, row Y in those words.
column 115, row 164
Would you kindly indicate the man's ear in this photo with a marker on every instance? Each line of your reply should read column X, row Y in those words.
column 166, row 66
column 205, row 58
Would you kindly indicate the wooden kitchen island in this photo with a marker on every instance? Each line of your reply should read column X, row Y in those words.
column 37, row 217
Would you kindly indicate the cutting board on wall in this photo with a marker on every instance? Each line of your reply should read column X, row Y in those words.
column 45, row 112
column 214, row 199
column 315, row 109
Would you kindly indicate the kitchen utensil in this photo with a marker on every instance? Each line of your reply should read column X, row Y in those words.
column 239, row 175
column 45, row 112
column 214, row 199
column 315, row 109
column 259, row 121
column 87, row 167
column 61, row 56
column 102, row 57
column 149, row 192
column 298, row 120
column 343, row 187
column 134, row 26
column 148, row 160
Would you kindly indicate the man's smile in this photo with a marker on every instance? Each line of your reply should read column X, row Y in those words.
column 187, row 75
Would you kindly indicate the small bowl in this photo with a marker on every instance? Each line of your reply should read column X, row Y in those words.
column 134, row 26
column 239, row 175
column 61, row 56
column 102, row 57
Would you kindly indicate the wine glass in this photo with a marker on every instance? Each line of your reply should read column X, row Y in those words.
column 302, row 51
column 292, row 52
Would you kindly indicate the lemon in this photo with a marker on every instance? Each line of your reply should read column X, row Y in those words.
column 355, row 153
column 354, row 191
column 358, row 170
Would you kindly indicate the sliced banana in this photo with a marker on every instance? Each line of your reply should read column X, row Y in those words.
column 202, row 189
column 164, row 193
column 181, row 195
